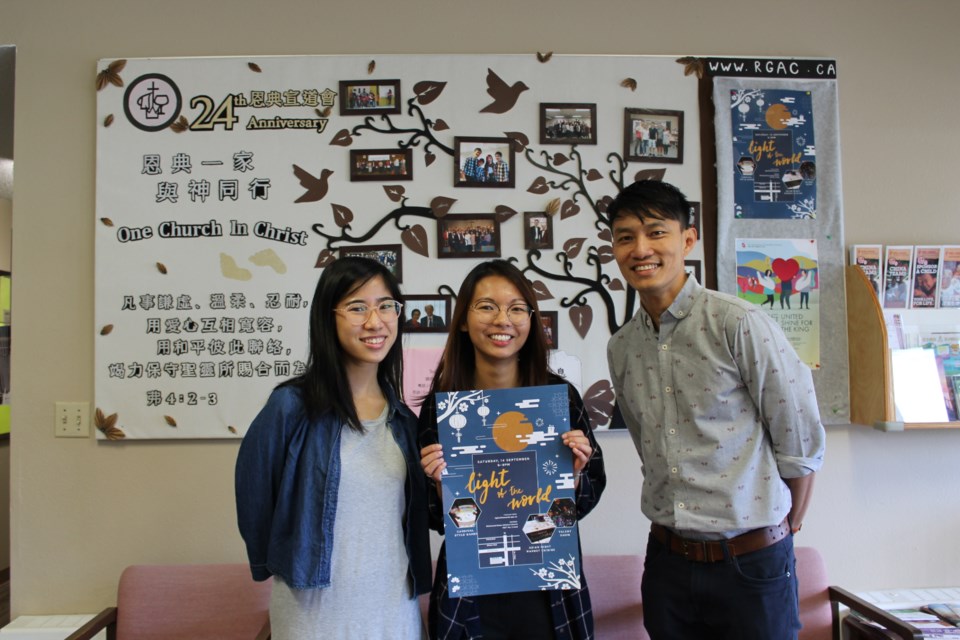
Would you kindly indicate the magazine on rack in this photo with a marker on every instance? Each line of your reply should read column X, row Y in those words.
column 950, row 277
column 869, row 257
column 897, row 273
column 509, row 504
column 926, row 273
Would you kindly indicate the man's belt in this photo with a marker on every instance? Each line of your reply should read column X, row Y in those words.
column 712, row 550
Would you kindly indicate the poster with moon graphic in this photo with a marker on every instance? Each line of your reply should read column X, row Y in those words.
column 774, row 154
column 510, row 515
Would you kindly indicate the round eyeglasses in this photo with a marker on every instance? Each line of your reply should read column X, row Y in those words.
column 488, row 312
column 358, row 313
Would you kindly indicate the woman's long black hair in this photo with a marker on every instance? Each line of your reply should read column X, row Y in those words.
column 324, row 385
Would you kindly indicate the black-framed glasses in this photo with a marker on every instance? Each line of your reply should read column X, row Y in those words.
column 488, row 312
column 358, row 313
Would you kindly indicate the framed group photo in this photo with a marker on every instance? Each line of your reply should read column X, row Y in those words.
column 364, row 97
column 468, row 235
column 568, row 123
column 426, row 313
column 537, row 230
column 483, row 162
column 653, row 135
column 389, row 255
column 381, row 164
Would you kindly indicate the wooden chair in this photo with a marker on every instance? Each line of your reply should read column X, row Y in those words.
column 185, row 602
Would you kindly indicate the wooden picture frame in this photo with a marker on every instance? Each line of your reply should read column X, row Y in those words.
column 665, row 147
column 381, row 165
column 537, row 230
column 369, row 97
column 473, row 158
column 468, row 235
column 389, row 255
column 416, row 312
column 550, row 327
column 568, row 123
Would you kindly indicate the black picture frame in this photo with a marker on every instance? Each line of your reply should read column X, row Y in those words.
column 384, row 93
column 693, row 266
column 389, row 255
column 532, row 239
column 669, row 150
column 442, row 306
column 695, row 218
column 457, row 236
column 465, row 148
column 548, row 320
column 381, row 165
column 568, row 123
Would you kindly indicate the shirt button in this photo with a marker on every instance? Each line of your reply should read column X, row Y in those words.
column 680, row 313
column 672, row 431
column 673, row 470
column 664, row 347
column 680, row 505
column 668, row 389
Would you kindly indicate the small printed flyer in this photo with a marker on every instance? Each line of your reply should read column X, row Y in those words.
column 784, row 274
column 510, row 513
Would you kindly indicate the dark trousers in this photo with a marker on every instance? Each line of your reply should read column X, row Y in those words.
column 749, row 597
column 516, row 616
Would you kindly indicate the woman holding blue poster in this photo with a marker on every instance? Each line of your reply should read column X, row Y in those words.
column 496, row 342
column 330, row 501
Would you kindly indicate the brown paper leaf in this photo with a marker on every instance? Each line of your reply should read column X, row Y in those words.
column 573, row 246
column 539, row 186
column 428, row 90
column 232, row 429
column 341, row 215
column 559, row 159
column 692, row 66
column 162, row 268
column 553, row 206
column 342, row 139
column 180, row 125
column 170, row 421
column 569, row 209
column 593, row 174
column 616, row 285
column 603, row 203
column 107, row 425
column 605, row 235
column 504, row 213
column 254, row 67
column 102, row 80
column 107, row 328
column 326, row 112
column 518, row 140
column 116, row 66
column 582, row 318
column 441, row 206
column 440, row 125
column 598, row 401
column 324, row 258
column 394, row 192
column 541, row 290
column 544, row 57
column 605, row 254
column 415, row 239
column 629, row 83
column 428, row 159
column 650, row 174
column 372, row 66
column 108, row 120
column 107, row 222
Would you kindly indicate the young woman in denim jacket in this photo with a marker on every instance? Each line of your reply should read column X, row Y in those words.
column 496, row 340
column 331, row 501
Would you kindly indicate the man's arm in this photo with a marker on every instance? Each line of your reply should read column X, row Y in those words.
column 801, row 489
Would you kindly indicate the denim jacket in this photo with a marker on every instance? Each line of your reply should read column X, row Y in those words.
column 287, row 480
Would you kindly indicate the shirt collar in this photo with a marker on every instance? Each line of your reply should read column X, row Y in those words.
column 682, row 305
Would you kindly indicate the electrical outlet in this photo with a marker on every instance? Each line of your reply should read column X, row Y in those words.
column 72, row 420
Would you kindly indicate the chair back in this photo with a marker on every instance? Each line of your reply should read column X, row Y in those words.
column 816, row 615
column 191, row 602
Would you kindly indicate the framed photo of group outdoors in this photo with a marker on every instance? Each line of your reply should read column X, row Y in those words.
column 468, row 235
column 568, row 123
column 381, row 164
column 483, row 162
column 389, row 255
column 426, row 313
column 365, row 97
column 653, row 135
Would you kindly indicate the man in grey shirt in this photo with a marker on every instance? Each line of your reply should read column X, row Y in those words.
column 724, row 417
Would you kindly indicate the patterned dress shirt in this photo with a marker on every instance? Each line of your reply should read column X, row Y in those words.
column 721, row 410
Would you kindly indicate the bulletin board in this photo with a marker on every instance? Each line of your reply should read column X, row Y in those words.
column 226, row 185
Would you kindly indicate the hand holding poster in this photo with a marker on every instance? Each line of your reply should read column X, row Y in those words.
column 509, row 503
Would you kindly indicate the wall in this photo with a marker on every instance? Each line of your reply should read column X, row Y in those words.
column 886, row 510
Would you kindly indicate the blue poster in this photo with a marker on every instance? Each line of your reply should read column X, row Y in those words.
column 774, row 154
column 510, row 514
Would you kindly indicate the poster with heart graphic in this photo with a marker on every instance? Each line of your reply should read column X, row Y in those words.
column 782, row 278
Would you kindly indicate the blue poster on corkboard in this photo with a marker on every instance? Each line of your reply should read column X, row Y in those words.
column 774, row 154
column 510, row 515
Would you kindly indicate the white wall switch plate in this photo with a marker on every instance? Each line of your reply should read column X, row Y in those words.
column 72, row 420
